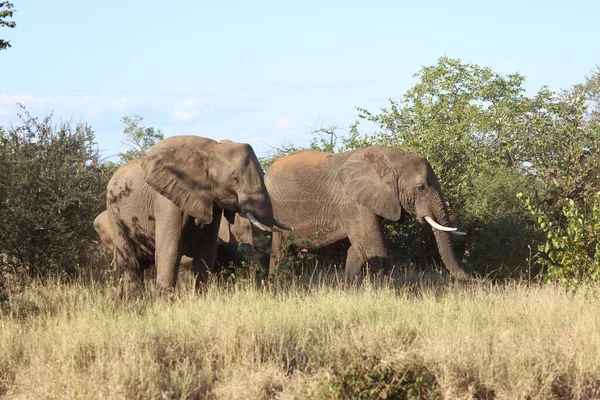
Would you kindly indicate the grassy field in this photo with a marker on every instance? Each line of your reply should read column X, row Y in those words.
column 318, row 340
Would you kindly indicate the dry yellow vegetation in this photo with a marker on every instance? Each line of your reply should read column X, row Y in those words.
column 321, row 340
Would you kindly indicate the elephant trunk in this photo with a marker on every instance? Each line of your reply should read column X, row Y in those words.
column 444, row 241
column 446, row 250
column 260, row 208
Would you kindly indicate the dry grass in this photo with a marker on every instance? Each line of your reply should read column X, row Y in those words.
column 236, row 342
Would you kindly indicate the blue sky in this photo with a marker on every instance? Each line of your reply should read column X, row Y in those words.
column 267, row 72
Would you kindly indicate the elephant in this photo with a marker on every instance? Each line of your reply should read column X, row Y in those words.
column 344, row 197
column 170, row 203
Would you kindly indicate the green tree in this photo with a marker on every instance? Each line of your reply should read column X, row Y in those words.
column 6, row 11
column 140, row 139
column 52, row 185
column 590, row 90
column 564, row 143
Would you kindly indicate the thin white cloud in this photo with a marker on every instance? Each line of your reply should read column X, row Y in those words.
column 82, row 105
column 187, row 109
column 284, row 122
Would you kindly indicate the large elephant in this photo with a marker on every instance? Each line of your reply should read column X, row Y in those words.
column 344, row 198
column 170, row 204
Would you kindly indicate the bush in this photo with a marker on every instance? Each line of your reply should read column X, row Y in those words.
column 52, row 185
column 501, row 232
column 365, row 376
column 571, row 253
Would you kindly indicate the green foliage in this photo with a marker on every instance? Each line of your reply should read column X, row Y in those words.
column 52, row 185
column 590, row 91
column 140, row 139
column 571, row 253
column 365, row 376
column 325, row 139
column 6, row 11
column 501, row 230
column 297, row 252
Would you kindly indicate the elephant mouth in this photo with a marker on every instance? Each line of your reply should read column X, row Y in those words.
column 230, row 203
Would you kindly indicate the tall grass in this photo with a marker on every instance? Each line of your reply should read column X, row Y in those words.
column 321, row 340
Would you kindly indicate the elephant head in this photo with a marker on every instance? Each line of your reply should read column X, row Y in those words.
column 391, row 183
column 198, row 174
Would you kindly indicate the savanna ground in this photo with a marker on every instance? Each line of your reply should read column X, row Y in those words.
column 313, row 338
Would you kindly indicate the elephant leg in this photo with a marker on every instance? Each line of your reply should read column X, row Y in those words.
column 168, row 248
column 276, row 253
column 367, row 245
column 354, row 263
column 203, row 263
column 132, row 282
column 129, row 272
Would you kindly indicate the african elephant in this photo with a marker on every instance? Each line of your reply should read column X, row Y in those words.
column 345, row 197
column 170, row 202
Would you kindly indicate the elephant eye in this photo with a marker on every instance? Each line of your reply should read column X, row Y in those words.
column 235, row 180
column 419, row 188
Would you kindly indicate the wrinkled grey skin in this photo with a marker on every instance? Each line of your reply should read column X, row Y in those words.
column 347, row 195
column 169, row 204
column 227, row 245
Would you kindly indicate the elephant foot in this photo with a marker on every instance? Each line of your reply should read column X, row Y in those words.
column 129, row 291
column 131, row 285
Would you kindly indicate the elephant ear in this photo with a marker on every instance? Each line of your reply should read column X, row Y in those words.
column 176, row 167
column 225, row 231
column 369, row 180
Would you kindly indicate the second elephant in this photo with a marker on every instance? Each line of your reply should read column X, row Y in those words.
column 345, row 196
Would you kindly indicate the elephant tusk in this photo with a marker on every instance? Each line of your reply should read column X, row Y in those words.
column 438, row 226
column 260, row 225
column 282, row 225
column 459, row 233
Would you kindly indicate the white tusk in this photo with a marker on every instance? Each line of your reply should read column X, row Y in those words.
column 459, row 233
column 438, row 226
column 260, row 225
column 282, row 225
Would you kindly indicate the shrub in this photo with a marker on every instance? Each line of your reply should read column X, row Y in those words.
column 571, row 253
column 501, row 232
column 365, row 376
column 52, row 185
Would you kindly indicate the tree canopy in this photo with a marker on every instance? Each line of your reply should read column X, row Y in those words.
column 6, row 13
column 139, row 139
